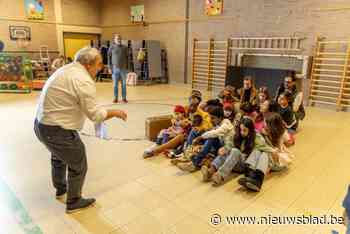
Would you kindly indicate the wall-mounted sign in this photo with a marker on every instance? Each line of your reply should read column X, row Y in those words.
column 34, row 9
column 138, row 13
column 214, row 7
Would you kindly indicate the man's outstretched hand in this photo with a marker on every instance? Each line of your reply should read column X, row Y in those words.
column 121, row 115
column 117, row 114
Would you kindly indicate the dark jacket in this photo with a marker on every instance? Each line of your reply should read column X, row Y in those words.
column 118, row 56
column 300, row 113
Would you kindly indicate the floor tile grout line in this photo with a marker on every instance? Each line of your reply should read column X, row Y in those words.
column 284, row 210
column 306, row 189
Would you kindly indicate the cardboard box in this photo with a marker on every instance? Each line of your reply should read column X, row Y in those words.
column 155, row 124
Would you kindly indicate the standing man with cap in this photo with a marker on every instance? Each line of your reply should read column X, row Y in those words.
column 118, row 66
column 68, row 97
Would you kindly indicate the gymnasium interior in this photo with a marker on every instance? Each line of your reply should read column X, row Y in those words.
column 175, row 48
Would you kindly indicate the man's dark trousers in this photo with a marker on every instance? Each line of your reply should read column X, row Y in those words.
column 67, row 150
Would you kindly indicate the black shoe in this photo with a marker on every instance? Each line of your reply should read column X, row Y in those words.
column 242, row 181
column 79, row 205
column 248, row 172
column 255, row 181
column 115, row 100
column 60, row 193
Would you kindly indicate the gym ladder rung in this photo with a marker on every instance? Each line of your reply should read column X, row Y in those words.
column 200, row 81
column 218, row 76
column 217, row 63
column 328, row 70
column 327, row 92
column 333, row 42
column 323, row 102
column 330, row 59
column 325, row 86
column 329, row 65
column 200, row 73
column 327, row 81
column 324, row 97
column 326, row 75
column 331, row 53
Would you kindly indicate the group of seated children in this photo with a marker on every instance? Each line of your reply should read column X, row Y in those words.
column 243, row 131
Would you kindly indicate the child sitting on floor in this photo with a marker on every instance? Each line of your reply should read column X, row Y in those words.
column 205, row 125
column 166, row 134
column 196, row 124
column 228, row 95
column 263, row 95
column 288, row 116
column 176, row 127
column 210, row 103
column 248, row 92
column 263, row 103
column 229, row 112
column 246, row 143
column 214, row 139
column 258, row 165
column 246, row 110
column 273, row 107
column 191, row 110
column 286, row 112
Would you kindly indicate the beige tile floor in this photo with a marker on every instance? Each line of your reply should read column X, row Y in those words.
column 151, row 196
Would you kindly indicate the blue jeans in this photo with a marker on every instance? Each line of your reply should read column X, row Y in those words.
column 117, row 75
column 210, row 145
column 193, row 134
column 161, row 140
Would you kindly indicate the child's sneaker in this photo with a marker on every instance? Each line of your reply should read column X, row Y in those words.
column 175, row 161
column 179, row 155
column 148, row 153
column 179, row 150
column 168, row 153
column 217, row 179
column 175, row 153
column 242, row 181
column 205, row 173
column 189, row 167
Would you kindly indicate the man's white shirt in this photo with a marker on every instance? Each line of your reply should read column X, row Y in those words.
column 68, row 97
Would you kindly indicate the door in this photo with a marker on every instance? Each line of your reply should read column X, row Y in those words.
column 73, row 42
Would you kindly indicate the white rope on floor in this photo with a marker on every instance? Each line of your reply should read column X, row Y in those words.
column 116, row 139
column 134, row 102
